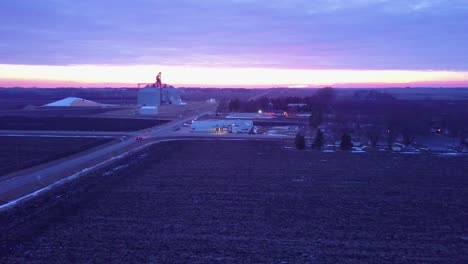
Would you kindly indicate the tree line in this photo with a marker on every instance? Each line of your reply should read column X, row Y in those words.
column 374, row 115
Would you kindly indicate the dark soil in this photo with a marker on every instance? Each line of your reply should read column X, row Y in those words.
column 18, row 153
column 250, row 202
column 76, row 123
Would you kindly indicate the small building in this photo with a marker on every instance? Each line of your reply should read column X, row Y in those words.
column 297, row 105
column 222, row 126
column 249, row 116
column 148, row 110
column 276, row 113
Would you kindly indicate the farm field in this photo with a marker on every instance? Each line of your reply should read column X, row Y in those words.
column 60, row 112
column 250, row 202
column 76, row 123
column 22, row 152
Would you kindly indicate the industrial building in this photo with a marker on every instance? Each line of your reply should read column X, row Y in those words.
column 223, row 126
column 171, row 95
column 149, row 96
column 149, row 99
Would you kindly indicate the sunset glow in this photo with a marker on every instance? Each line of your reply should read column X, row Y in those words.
column 234, row 43
column 129, row 76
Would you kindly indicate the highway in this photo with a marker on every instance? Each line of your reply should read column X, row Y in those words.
column 28, row 183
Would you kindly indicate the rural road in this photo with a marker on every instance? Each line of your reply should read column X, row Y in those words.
column 42, row 133
column 30, row 182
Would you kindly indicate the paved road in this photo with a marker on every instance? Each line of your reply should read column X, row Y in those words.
column 255, row 97
column 31, row 182
column 42, row 133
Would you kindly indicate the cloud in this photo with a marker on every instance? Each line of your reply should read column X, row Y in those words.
column 352, row 34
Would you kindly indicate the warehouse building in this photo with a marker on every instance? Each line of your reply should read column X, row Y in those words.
column 223, row 126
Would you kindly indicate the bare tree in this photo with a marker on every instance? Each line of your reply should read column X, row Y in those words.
column 373, row 134
column 299, row 141
column 346, row 142
column 319, row 140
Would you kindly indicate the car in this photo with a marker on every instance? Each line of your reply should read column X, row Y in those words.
column 138, row 138
column 176, row 129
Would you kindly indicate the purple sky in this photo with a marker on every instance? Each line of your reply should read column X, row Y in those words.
column 307, row 34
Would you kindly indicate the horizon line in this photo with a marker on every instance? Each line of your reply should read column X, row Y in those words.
column 182, row 76
column 239, row 87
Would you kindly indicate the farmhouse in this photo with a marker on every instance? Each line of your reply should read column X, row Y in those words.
column 223, row 126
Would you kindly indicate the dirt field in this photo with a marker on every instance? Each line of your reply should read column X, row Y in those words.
column 23, row 152
column 76, row 123
column 250, row 202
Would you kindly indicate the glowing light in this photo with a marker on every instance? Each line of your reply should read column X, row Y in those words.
column 106, row 75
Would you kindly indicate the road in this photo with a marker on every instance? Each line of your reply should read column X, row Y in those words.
column 28, row 183
column 42, row 133
column 255, row 97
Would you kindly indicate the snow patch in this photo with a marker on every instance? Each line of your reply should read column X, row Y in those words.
column 142, row 156
column 300, row 179
column 120, row 167
column 450, row 154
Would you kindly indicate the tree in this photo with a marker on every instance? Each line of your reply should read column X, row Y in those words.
column 299, row 141
column 325, row 95
column 456, row 121
column 251, row 106
column 319, row 140
column 264, row 103
column 315, row 118
column 391, row 137
column 346, row 142
column 222, row 106
column 234, row 105
column 407, row 120
column 373, row 134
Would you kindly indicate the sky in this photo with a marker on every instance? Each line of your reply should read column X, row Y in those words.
column 234, row 43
